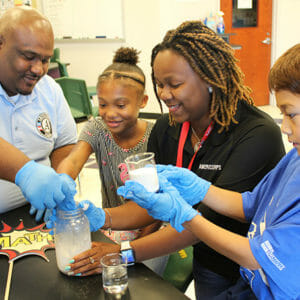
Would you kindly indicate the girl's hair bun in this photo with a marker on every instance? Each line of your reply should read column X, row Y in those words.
column 126, row 55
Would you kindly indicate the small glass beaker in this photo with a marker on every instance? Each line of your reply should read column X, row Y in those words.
column 114, row 274
column 72, row 236
column 141, row 168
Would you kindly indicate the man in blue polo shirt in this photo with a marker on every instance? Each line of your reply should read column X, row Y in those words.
column 34, row 115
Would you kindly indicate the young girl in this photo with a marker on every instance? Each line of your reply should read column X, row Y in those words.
column 117, row 133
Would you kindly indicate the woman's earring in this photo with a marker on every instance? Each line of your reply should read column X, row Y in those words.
column 210, row 89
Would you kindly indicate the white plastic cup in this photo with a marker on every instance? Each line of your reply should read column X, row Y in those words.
column 141, row 168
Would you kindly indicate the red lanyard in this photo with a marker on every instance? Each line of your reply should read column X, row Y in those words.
column 183, row 135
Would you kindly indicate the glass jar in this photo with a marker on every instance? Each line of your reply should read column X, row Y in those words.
column 72, row 236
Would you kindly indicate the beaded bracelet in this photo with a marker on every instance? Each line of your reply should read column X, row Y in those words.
column 110, row 221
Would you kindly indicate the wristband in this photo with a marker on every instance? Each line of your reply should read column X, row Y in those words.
column 110, row 221
column 127, row 253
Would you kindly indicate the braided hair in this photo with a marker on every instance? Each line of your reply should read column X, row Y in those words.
column 124, row 66
column 212, row 59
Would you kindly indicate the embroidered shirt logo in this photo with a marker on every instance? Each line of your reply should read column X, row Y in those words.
column 43, row 125
column 267, row 247
column 210, row 167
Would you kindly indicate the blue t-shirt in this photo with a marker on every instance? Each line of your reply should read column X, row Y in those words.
column 36, row 124
column 273, row 208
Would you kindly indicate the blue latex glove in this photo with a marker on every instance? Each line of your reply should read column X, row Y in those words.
column 166, row 205
column 40, row 213
column 66, row 205
column 96, row 215
column 42, row 186
column 51, row 221
column 191, row 187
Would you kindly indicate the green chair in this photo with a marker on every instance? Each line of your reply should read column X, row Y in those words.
column 76, row 93
column 62, row 69
column 56, row 55
column 55, row 58
column 63, row 72
column 179, row 268
column 92, row 91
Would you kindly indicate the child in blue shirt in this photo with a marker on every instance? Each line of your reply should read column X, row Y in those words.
column 269, row 255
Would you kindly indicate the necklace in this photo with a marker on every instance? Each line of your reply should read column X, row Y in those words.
column 198, row 144
column 182, row 139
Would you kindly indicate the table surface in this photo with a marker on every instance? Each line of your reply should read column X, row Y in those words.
column 35, row 278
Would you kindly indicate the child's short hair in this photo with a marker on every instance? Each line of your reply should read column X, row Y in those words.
column 285, row 73
column 124, row 66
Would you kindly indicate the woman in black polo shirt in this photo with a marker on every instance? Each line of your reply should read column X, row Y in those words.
column 212, row 128
column 224, row 138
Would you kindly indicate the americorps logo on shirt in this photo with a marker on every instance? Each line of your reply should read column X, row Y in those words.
column 267, row 247
column 210, row 167
column 43, row 125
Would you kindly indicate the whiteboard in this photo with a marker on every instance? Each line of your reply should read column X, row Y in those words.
column 87, row 19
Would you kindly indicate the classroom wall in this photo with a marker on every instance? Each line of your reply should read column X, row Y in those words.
column 145, row 23
column 287, row 26
column 286, row 29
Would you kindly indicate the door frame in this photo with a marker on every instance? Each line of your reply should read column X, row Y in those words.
column 272, row 100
